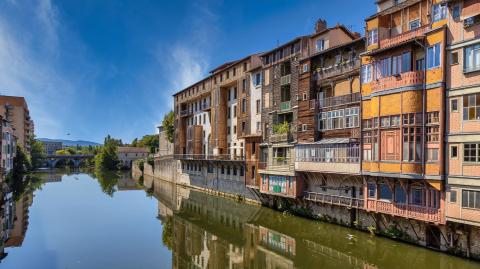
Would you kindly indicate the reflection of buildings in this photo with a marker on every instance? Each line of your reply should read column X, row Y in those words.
column 6, row 220
column 52, row 177
column 126, row 183
column 20, row 223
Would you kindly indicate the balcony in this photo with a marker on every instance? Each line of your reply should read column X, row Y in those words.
column 222, row 157
column 279, row 138
column 335, row 70
column 284, row 80
column 287, row 105
column 406, row 211
column 334, row 200
column 186, row 112
column 412, row 78
column 206, row 106
column 403, row 37
column 332, row 155
column 339, row 100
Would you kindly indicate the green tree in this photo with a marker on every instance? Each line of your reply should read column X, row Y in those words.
column 168, row 125
column 21, row 166
column 149, row 141
column 134, row 143
column 107, row 158
column 108, row 181
column 37, row 153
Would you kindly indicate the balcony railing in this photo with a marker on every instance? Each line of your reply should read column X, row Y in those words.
column 278, row 138
column 334, row 200
column 287, row 105
column 186, row 112
column 335, row 70
column 411, row 78
column 403, row 37
column 222, row 157
column 407, row 211
column 339, row 100
column 284, row 80
column 206, row 106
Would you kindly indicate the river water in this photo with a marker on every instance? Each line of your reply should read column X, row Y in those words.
column 82, row 220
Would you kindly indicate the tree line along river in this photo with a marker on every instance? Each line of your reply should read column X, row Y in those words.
column 83, row 220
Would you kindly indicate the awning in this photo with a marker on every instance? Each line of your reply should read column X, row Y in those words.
column 333, row 141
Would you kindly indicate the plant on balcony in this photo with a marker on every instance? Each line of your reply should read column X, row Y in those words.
column 280, row 159
column 281, row 128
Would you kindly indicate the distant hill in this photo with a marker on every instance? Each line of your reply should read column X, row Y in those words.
column 70, row 143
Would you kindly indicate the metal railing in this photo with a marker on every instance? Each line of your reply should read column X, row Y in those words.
column 222, row 157
column 337, row 69
column 339, row 100
column 334, row 199
column 285, row 79
column 287, row 105
column 406, row 210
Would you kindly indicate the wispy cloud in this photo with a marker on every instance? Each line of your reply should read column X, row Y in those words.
column 27, row 67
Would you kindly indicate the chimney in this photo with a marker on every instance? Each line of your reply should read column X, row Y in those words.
column 320, row 25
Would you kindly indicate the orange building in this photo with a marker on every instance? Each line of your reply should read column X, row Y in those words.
column 403, row 88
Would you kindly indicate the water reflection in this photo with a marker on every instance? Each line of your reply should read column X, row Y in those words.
column 197, row 230
column 212, row 232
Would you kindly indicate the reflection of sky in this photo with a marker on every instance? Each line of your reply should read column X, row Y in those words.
column 74, row 225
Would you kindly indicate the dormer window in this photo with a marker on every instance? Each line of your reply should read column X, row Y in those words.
column 320, row 45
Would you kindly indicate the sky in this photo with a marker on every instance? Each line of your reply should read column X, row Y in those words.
column 89, row 68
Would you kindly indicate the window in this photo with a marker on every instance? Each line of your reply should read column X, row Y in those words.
column 244, row 85
column 420, row 64
column 244, row 105
column 453, row 196
column 470, row 152
column 453, row 152
column 243, row 126
column 412, row 137
column 331, row 120
column 432, row 155
column 472, row 58
column 372, row 189
column 372, row 37
column 471, row 107
column 234, row 111
column 385, row 192
column 471, row 21
column 471, row 199
column 305, row 68
column 234, row 93
column 258, row 79
column 367, row 73
column 454, row 58
column 456, row 12
column 234, row 129
column 320, row 45
column 439, row 12
column 305, row 96
column 400, row 195
column 351, row 117
column 417, row 196
column 414, row 24
column 433, row 56
column 454, row 105
column 304, row 127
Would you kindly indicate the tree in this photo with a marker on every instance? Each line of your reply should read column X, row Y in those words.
column 21, row 166
column 168, row 126
column 134, row 143
column 37, row 153
column 107, row 158
column 149, row 141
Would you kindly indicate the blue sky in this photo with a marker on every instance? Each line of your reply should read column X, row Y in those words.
column 96, row 67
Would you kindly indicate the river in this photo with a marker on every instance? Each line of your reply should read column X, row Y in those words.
column 83, row 220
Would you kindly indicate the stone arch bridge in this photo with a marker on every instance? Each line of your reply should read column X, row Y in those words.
column 52, row 160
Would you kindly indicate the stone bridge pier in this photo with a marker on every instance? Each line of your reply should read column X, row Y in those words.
column 52, row 160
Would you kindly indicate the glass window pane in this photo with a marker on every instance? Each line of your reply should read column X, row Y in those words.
column 464, row 198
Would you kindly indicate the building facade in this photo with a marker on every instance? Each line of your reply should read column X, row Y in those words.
column 15, row 110
column 127, row 155
column 51, row 147
column 380, row 130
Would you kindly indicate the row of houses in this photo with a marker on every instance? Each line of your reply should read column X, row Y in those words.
column 387, row 123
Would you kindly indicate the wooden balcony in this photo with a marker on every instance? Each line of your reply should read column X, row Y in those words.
column 403, row 37
column 406, row 79
column 279, row 138
column 335, row 70
column 284, row 80
column 406, row 211
column 339, row 100
column 348, row 202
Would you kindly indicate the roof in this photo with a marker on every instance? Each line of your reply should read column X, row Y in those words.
column 132, row 150
column 13, row 100
column 392, row 9
column 358, row 40
column 285, row 44
column 231, row 63
column 353, row 35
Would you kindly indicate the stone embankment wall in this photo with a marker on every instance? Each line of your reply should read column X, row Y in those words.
column 461, row 240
